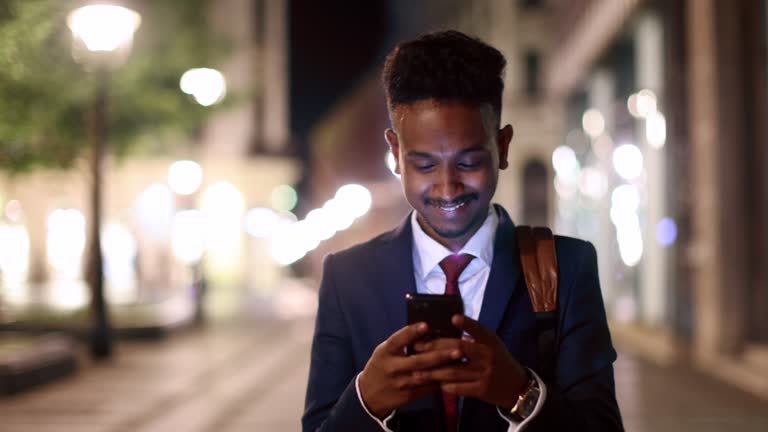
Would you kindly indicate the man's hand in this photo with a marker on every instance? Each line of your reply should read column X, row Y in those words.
column 388, row 380
column 488, row 373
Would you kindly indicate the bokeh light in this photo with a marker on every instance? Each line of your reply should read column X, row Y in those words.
column 261, row 222
column 666, row 232
column 630, row 246
column 656, row 130
column 14, row 211
column 66, row 242
column 356, row 199
column 206, row 85
column 566, row 164
column 642, row 104
column 284, row 198
column 321, row 224
column 185, row 177
column 120, row 249
column 155, row 209
column 628, row 161
column 593, row 122
column 341, row 217
column 626, row 197
column 14, row 254
column 188, row 236
column 594, row 183
column 223, row 207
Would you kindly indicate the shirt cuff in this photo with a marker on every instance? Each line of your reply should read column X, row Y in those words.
column 381, row 423
column 519, row 427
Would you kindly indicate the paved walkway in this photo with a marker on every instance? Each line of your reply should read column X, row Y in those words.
column 252, row 377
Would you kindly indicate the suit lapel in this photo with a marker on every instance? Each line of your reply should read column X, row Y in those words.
column 505, row 272
column 397, row 279
column 396, row 273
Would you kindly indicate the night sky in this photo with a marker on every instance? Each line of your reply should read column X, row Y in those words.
column 334, row 43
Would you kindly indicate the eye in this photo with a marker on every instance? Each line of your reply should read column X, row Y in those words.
column 423, row 165
column 472, row 164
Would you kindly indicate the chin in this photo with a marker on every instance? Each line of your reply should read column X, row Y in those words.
column 450, row 231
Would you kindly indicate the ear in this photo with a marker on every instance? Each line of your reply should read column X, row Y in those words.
column 503, row 140
column 394, row 146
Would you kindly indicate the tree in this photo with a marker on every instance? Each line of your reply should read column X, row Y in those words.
column 45, row 95
column 46, row 98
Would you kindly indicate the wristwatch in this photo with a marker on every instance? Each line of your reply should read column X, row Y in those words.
column 527, row 400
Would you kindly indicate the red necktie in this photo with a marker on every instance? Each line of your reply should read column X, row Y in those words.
column 452, row 266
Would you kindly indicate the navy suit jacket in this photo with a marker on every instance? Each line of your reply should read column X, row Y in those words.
column 362, row 302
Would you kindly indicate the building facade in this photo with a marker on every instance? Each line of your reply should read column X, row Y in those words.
column 667, row 100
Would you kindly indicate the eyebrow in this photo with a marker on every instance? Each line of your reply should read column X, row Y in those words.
column 424, row 155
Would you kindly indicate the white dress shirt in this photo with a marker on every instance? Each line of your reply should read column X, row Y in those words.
column 430, row 279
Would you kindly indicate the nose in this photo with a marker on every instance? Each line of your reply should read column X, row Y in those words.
column 448, row 184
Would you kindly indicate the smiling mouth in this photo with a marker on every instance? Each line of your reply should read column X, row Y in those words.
column 451, row 206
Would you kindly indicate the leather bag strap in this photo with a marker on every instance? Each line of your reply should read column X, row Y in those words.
column 539, row 262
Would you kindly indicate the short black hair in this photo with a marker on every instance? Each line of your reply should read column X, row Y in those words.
column 448, row 66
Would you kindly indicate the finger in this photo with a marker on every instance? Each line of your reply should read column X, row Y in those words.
column 426, row 360
column 437, row 344
column 404, row 337
column 474, row 351
column 409, row 382
column 455, row 373
column 475, row 329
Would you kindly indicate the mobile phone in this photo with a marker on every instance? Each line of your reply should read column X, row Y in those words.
column 436, row 310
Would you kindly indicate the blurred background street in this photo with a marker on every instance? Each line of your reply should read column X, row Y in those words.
column 173, row 173
column 252, row 377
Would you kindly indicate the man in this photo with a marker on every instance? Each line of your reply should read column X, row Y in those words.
column 444, row 95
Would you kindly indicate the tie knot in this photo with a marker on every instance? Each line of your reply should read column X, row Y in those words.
column 453, row 265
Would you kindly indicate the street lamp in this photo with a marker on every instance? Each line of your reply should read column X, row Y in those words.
column 102, row 39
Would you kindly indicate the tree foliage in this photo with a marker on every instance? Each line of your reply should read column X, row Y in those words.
column 45, row 95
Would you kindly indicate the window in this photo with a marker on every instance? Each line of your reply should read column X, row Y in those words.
column 532, row 71
column 531, row 4
column 535, row 196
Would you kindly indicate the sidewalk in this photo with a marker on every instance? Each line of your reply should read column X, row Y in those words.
column 212, row 379
column 251, row 377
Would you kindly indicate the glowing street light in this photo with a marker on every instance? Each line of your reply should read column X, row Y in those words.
column 102, row 38
column 104, row 27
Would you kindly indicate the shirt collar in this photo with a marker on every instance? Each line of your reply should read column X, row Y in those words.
column 428, row 252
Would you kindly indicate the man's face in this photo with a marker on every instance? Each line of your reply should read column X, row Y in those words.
column 448, row 155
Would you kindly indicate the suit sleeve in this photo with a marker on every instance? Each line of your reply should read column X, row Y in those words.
column 331, row 402
column 583, row 397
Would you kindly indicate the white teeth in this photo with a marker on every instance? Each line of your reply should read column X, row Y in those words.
column 453, row 207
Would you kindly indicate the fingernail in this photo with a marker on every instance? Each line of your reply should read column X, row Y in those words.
column 422, row 327
column 455, row 353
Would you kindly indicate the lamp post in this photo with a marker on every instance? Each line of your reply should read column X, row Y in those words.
column 102, row 39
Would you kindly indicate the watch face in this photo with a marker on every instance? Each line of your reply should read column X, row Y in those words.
column 529, row 402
